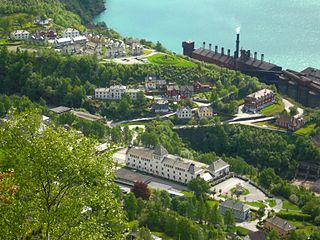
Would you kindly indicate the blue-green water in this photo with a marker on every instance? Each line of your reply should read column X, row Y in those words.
column 287, row 31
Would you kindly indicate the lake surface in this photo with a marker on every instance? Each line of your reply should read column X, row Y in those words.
column 286, row 31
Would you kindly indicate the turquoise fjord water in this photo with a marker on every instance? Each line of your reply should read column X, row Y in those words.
column 286, row 31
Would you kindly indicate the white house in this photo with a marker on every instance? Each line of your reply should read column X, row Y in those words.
column 184, row 113
column 157, row 161
column 115, row 92
column 60, row 42
column 80, row 40
column 20, row 35
column 70, row 33
column 219, row 168
column 115, row 49
column 133, row 93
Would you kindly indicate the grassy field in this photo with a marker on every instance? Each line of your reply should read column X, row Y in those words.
column 147, row 51
column 306, row 130
column 272, row 202
column 288, row 205
column 273, row 109
column 165, row 59
column 257, row 204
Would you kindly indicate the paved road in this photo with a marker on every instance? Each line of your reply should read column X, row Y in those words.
column 288, row 105
column 133, row 59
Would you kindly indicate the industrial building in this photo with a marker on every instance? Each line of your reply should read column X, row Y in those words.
column 240, row 60
column 303, row 87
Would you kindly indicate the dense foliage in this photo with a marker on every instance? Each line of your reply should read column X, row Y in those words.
column 63, row 189
column 177, row 217
column 258, row 147
column 66, row 80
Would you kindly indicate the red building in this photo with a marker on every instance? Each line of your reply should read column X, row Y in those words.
column 47, row 33
column 258, row 100
column 290, row 123
column 172, row 91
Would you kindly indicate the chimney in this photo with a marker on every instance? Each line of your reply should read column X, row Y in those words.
column 222, row 51
column 216, row 49
column 229, row 51
column 262, row 57
column 210, row 47
column 237, row 46
column 249, row 54
column 255, row 55
column 204, row 45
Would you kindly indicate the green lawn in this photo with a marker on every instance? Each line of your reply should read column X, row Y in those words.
column 245, row 191
column 212, row 203
column 165, row 59
column 258, row 204
column 272, row 202
column 306, row 130
column 273, row 109
column 187, row 194
column 147, row 51
column 288, row 205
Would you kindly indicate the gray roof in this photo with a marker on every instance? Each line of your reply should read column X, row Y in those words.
column 141, row 152
column 60, row 109
column 312, row 73
column 160, row 151
column 187, row 88
column 281, row 223
column 259, row 235
column 229, row 60
column 217, row 165
column 129, row 176
column 205, row 108
column 234, row 205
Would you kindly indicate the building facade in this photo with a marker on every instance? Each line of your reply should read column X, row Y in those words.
column 70, row 33
column 205, row 112
column 303, row 87
column 184, row 113
column 290, row 123
column 240, row 210
column 157, row 161
column 20, row 35
column 186, row 92
column 219, row 169
column 161, row 106
column 258, row 100
column 115, row 92
column 172, row 92
column 281, row 226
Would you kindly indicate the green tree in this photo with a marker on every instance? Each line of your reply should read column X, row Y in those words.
column 215, row 216
column 199, row 186
column 65, row 191
column 229, row 218
column 131, row 206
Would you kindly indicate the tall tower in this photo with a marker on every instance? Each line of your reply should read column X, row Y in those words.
column 237, row 45
column 188, row 48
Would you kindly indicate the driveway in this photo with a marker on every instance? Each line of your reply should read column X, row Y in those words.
column 288, row 105
column 254, row 195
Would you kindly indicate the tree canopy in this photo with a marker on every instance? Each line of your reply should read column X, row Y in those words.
column 64, row 190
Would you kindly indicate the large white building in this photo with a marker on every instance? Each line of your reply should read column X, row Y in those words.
column 157, row 161
column 20, row 35
column 115, row 92
column 70, row 33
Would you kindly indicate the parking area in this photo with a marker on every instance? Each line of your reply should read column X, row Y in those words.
column 254, row 193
